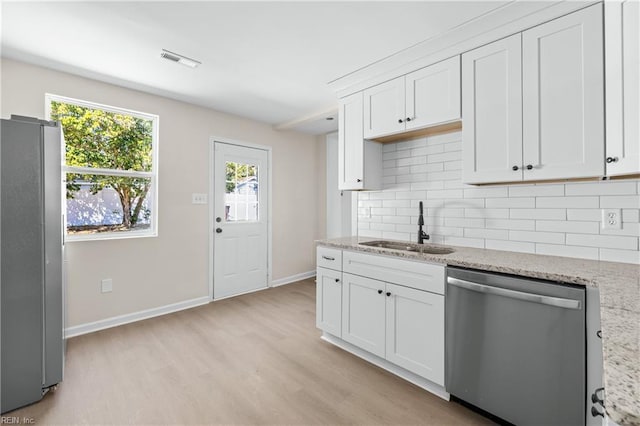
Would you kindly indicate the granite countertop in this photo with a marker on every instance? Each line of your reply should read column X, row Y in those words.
column 619, row 286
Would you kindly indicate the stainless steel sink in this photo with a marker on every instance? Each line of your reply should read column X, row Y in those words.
column 412, row 247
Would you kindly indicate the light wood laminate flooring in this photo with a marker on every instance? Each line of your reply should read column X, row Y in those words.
column 252, row 359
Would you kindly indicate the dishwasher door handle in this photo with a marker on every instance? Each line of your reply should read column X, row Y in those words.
column 513, row 294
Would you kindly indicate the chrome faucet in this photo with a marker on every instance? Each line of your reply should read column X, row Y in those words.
column 422, row 236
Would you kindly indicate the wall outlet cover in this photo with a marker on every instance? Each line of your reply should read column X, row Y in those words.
column 107, row 285
column 198, row 198
column 611, row 219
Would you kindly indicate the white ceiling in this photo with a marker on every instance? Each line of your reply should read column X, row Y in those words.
column 268, row 61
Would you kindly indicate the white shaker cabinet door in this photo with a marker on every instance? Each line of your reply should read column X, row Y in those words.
column 384, row 109
column 622, row 49
column 433, row 94
column 415, row 331
column 363, row 313
column 563, row 97
column 492, row 112
column 350, row 143
column 329, row 301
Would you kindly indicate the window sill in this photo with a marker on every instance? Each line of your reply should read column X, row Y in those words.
column 109, row 236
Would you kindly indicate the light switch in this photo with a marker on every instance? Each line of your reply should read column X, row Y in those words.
column 107, row 285
column 197, row 198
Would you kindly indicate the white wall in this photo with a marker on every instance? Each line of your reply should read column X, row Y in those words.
column 560, row 219
column 153, row 272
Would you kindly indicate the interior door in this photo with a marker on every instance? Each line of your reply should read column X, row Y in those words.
column 240, row 254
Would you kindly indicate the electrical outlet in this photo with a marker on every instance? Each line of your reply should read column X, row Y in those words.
column 611, row 219
column 198, row 198
column 107, row 285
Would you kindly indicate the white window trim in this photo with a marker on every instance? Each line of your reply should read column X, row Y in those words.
column 153, row 175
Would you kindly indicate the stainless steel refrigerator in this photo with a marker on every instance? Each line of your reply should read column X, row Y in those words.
column 31, row 258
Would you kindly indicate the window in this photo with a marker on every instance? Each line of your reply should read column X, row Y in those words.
column 110, row 167
column 241, row 195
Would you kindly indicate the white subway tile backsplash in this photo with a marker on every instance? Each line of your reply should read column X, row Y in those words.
column 568, row 226
column 551, row 214
column 510, row 246
column 521, row 202
column 593, row 215
column 549, row 190
column 630, row 215
column 494, row 192
column 465, row 242
column 493, row 234
column 567, row 202
column 537, row 237
column 603, row 241
column 620, row 202
column 487, row 213
column 518, row 224
column 626, row 256
column 599, row 188
column 559, row 219
column 567, row 251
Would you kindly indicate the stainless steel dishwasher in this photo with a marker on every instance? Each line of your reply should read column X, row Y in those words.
column 516, row 347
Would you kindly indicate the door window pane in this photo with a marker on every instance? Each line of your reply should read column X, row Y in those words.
column 241, row 195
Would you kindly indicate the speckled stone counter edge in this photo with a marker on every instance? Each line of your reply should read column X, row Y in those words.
column 619, row 286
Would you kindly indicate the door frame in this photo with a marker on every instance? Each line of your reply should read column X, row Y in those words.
column 268, row 149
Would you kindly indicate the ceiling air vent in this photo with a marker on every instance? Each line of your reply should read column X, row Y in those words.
column 174, row 57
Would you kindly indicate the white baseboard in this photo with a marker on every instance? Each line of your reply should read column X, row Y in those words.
column 293, row 278
column 90, row 327
column 425, row 384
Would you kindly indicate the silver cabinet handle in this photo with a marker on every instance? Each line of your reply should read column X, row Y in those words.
column 328, row 257
column 513, row 294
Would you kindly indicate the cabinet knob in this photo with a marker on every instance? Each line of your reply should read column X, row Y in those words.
column 529, row 167
column 358, row 180
column 388, row 293
column 597, row 399
column 515, row 168
column 599, row 334
column 408, row 118
column 612, row 159
column 379, row 291
column 337, row 280
column 400, row 121
column 595, row 412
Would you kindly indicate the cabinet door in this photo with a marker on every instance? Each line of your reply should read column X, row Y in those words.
column 363, row 315
column 415, row 331
column 433, row 94
column 563, row 97
column 384, row 109
column 492, row 112
column 329, row 301
column 622, row 19
column 350, row 143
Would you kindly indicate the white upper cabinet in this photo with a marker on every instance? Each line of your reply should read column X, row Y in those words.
column 622, row 47
column 384, row 108
column 549, row 125
column 423, row 98
column 432, row 94
column 359, row 160
column 492, row 112
column 563, row 97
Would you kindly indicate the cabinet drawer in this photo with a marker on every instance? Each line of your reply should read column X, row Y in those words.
column 329, row 258
column 418, row 275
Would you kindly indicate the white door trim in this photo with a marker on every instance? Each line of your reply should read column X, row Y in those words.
column 268, row 149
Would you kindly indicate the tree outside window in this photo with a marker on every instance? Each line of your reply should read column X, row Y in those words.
column 110, row 168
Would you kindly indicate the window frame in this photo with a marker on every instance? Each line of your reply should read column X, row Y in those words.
column 152, row 175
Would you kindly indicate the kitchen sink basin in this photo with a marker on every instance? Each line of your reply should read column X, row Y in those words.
column 412, row 247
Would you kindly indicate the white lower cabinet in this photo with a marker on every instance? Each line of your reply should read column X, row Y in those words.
column 415, row 331
column 388, row 317
column 329, row 301
column 363, row 313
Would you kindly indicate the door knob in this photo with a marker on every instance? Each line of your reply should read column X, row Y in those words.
column 218, row 230
column 218, row 219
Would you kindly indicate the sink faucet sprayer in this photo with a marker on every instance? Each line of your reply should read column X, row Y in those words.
column 422, row 236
